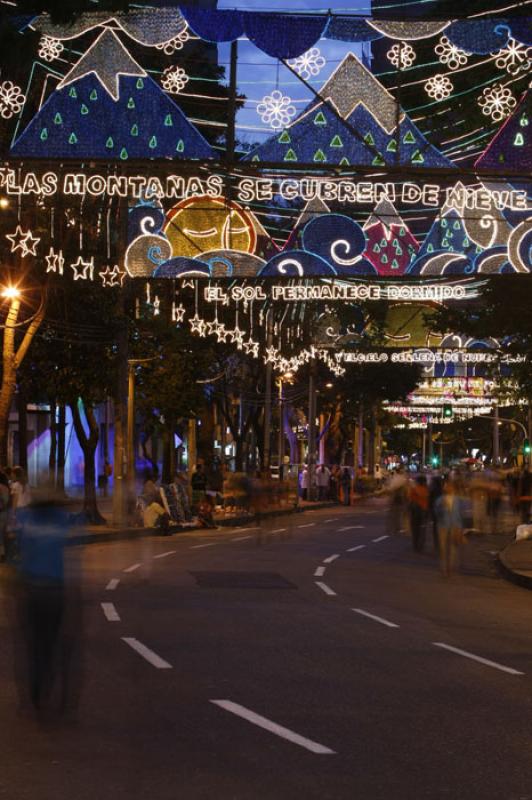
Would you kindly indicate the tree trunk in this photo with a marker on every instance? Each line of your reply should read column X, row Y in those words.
column 61, row 449
column 168, row 452
column 88, row 443
column 52, row 457
column 11, row 361
column 22, row 429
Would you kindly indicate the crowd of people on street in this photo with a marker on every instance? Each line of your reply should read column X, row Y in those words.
column 340, row 484
column 448, row 505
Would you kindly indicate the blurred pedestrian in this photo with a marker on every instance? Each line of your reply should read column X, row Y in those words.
column 154, row 512
column 418, row 505
column 450, row 516
column 525, row 495
column 49, row 611
column 397, row 490
column 435, row 492
column 199, row 486
column 304, row 482
column 323, row 476
column 20, row 492
column 5, row 502
column 345, row 483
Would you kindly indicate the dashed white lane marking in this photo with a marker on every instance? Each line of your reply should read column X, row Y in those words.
column 272, row 727
column 199, row 546
column 111, row 614
column 325, row 588
column 358, row 547
column 155, row 660
column 481, row 660
column 280, row 530
column 335, row 519
column 132, row 568
column 374, row 617
column 113, row 583
column 380, row 538
column 241, row 538
column 241, row 530
column 319, row 572
column 308, row 525
column 351, row 528
column 165, row 555
column 331, row 558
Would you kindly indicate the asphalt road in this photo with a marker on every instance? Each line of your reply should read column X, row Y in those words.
column 314, row 658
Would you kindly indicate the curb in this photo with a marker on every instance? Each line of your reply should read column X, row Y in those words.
column 518, row 578
column 125, row 534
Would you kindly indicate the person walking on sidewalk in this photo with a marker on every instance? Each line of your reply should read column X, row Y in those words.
column 450, row 516
column 323, row 476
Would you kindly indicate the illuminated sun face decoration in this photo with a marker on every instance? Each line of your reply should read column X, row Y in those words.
column 202, row 224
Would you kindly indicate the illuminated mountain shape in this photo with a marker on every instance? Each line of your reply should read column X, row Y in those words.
column 391, row 246
column 107, row 107
column 362, row 132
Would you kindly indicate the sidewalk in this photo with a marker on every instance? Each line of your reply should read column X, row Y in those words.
column 96, row 534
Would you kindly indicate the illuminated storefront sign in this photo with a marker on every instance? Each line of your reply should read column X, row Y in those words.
column 339, row 292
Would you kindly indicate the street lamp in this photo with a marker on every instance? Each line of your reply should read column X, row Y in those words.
column 11, row 292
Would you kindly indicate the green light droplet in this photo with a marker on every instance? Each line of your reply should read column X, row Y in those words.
column 131, row 103
column 84, row 110
column 319, row 119
column 135, row 130
column 169, row 121
column 110, row 143
column 319, row 155
column 93, row 95
column 124, row 155
column 181, row 147
column 336, row 142
column 58, row 119
column 152, row 144
column 140, row 84
column 73, row 93
column 409, row 138
column 44, row 134
column 284, row 138
column 290, row 155
column 72, row 139
column 519, row 139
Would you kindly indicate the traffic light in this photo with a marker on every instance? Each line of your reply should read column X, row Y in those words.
column 526, row 447
column 435, row 461
column 447, row 410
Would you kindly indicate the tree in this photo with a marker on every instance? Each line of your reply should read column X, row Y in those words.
column 18, row 334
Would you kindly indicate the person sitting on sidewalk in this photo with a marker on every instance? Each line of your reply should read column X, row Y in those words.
column 154, row 513
column 205, row 514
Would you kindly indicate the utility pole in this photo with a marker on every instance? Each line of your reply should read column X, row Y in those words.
column 280, row 448
column 312, row 427
column 268, row 398
column 120, row 422
column 495, row 454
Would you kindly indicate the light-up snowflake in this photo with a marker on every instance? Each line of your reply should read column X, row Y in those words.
column 496, row 102
column 174, row 80
column 175, row 44
column 11, row 99
column 449, row 54
column 515, row 58
column 275, row 109
column 438, row 87
column 49, row 48
column 309, row 64
column 401, row 55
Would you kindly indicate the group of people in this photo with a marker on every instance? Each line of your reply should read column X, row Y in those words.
column 444, row 503
column 336, row 483
column 15, row 495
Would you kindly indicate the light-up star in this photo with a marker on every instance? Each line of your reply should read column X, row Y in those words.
column 55, row 261
column 212, row 328
column 83, row 270
column 107, row 59
column 222, row 333
column 251, row 348
column 237, row 336
column 271, row 355
column 188, row 284
column 178, row 313
column 199, row 326
column 113, row 277
column 23, row 241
